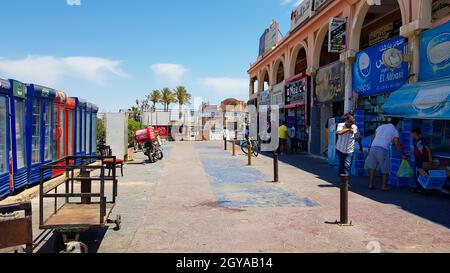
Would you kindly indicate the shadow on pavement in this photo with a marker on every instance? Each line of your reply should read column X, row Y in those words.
column 92, row 239
column 433, row 206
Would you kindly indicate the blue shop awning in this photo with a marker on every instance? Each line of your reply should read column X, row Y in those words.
column 422, row 100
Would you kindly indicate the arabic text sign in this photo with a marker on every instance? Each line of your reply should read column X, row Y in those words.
column 435, row 53
column 337, row 36
column 371, row 76
column 301, row 13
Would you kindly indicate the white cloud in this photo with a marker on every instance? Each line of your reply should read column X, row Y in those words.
column 171, row 72
column 73, row 2
column 227, row 87
column 50, row 70
column 294, row 3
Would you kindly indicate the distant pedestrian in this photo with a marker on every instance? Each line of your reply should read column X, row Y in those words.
column 282, row 135
column 379, row 156
column 345, row 147
column 292, row 132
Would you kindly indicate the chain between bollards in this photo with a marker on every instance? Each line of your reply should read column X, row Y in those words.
column 275, row 166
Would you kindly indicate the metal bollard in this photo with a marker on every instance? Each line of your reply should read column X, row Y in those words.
column 275, row 167
column 250, row 152
column 344, row 201
column 225, row 144
column 234, row 147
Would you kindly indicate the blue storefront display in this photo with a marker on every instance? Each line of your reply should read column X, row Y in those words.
column 18, row 93
column 80, row 128
column 91, row 129
column 371, row 76
column 423, row 100
column 435, row 53
column 39, row 130
column 5, row 87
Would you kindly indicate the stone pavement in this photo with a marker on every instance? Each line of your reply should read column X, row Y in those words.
column 201, row 199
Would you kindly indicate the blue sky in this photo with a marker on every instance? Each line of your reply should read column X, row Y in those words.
column 112, row 52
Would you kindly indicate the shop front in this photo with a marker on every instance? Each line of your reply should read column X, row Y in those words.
column 329, row 100
column 296, row 109
column 426, row 105
column 377, row 71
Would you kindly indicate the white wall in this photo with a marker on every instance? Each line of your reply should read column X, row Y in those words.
column 116, row 127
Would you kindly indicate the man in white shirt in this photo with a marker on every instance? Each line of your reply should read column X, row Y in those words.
column 379, row 155
column 345, row 147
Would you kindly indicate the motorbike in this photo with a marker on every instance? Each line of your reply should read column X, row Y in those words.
column 153, row 151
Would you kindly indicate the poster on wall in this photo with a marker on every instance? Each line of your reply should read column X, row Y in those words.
column 435, row 53
column 269, row 39
column 301, row 13
column 441, row 8
column 330, row 81
column 337, row 35
column 371, row 75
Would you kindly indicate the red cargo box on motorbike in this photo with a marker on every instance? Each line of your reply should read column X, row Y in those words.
column 145, row 135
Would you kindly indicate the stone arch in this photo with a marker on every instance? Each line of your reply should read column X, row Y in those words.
column 262, row 78
column 361, row 11
column 321, row 34
column 294, row 54
column 276, row 67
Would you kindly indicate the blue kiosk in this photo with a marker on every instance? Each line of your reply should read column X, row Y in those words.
column 39, row 131
column 80, row 128
column 18, row 98
column 5, row 87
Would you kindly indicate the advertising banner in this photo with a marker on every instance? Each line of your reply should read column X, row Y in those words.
column 319, row 4
column 337, row 35
column 301, row 13
column 371, row 75
column 330, row 83
column 269, row 39
column 264, row 98
column 435, row 53
column 163, row 131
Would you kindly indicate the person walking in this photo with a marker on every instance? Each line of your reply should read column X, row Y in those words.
column 379, row 156
column 292, row 132
column 282, row 135
column 345, row 147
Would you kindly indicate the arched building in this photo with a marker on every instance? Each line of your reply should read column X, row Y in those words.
column 312, row 85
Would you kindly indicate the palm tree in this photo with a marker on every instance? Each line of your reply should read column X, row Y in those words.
column 154, row 97
column 183, row 97
column 167, row 98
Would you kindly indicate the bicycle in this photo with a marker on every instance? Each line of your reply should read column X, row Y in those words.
column 255, row 147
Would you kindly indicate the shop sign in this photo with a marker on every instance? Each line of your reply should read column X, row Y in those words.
column 435, row 53
column 319, row 3
column 264, row 98
column 277, row 97
column 337, row 35
column 296, row 91
column 19, row 89
column 4, row 84
column 441, row 8
column 269, row 39
column 330, row 83
column 300, row 14
column 371, row 76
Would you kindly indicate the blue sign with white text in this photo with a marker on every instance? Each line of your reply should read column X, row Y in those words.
column 371, row 73
column 435, row 53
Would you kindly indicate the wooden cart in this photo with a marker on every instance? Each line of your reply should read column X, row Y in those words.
column 78, row 209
